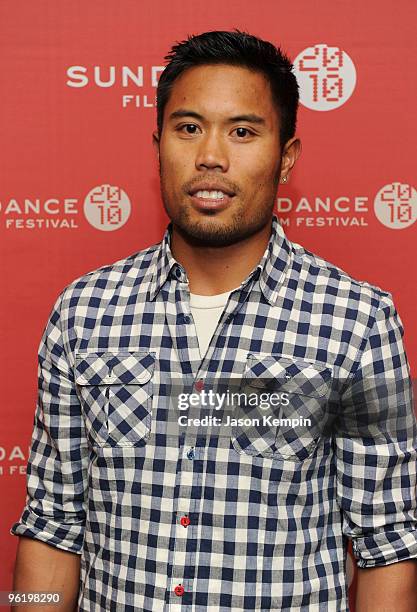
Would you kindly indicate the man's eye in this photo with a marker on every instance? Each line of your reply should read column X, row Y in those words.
column 242, row 132
column 189, row 128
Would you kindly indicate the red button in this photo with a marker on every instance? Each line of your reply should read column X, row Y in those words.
column 179, row 590
column 185, row 521
column 199, row 385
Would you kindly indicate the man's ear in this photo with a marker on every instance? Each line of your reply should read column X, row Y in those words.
column 155, row 142
column 290, row 154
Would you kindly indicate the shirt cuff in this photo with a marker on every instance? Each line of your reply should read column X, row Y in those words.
column 68, row 537
column 385, row 548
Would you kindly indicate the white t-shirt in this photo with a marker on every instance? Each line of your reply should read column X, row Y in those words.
column 206, row 311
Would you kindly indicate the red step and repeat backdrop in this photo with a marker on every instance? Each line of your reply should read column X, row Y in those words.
column 78, row 177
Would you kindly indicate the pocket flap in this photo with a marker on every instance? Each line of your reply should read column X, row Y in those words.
column 311, row 379
column 105, row 368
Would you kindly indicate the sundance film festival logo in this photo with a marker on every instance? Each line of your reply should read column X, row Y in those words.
column 326, row 75
column 107, row 207
column 395, row 205
column 129, row 80
column 13, row 460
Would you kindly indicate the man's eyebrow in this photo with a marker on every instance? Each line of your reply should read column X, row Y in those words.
column 247, row 118
column 183, row 112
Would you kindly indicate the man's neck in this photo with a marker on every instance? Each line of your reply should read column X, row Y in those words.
column 214, row 270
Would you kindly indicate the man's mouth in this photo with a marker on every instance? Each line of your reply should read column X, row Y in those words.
column 210, row 200
column 210, row 195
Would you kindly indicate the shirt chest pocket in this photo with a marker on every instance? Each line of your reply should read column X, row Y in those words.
column 116, row 391
column 282, row 407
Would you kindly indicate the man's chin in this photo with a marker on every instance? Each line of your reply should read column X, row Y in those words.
column 212, row 232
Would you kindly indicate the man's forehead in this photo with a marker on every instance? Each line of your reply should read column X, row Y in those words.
column 222, row 90
column 228, row 74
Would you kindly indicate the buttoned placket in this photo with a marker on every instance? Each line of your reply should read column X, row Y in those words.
column 182, row 560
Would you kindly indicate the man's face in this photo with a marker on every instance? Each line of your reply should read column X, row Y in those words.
column 219, row 154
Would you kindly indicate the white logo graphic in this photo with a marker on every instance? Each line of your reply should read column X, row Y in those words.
column 107, row 207
column 326, row 75
column 395, row 205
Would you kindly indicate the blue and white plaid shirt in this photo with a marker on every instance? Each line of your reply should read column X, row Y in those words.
column 233, row 522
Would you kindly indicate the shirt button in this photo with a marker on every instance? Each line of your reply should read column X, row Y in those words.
column 199, row 385
column 185, row 521
column 187, row 319
column 190, row 454
column 178, row 273
column 179, row 590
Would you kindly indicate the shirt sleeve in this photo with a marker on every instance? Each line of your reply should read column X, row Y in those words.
column 57, row 467
column 376, row 448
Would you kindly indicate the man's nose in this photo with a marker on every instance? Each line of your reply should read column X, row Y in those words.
column 212, row 153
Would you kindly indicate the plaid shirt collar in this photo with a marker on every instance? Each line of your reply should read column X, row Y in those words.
column 270, row 270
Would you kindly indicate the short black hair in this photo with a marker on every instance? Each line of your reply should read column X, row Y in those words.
column 235, row 48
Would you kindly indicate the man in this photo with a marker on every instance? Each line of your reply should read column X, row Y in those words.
column 257, row 518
